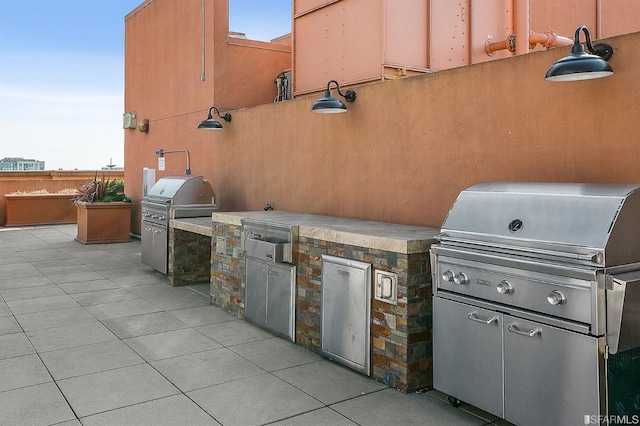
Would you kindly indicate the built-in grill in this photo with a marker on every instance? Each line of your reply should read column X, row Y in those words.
column 537, row 302
column 171, row 197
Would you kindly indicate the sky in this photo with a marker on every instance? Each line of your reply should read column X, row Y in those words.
column 62, row 75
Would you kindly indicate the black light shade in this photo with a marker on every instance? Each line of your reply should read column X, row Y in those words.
column 580, row 65
column 330, row 105
column 210, row 123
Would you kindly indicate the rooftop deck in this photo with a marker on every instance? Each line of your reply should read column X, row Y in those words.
column 89, row 335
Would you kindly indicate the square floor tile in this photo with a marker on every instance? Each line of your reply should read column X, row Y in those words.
column 22, row 371
column 169, row 344
column 270, row 400
column 116, row 263
column 9, row 325
column 392, row 407
column 65, row 274
column 36, row 405
column 24, row 281
column 141, row 325
column 170, row 411
column 16, row 344
column 170, row 298
column 41, row 304
column 31, row 292
column 9, row 271
column 108, row 390
column 134, row 276
column 51, row 319
column 234, row 332
column 121, row 309
column 78, row 361
column 208, row 368
column 51, row 339
column 43, row 254
column 275, row 353
column 202, row 315
column 321, row 417
column 329, row 382
column 103, row 296
column 85, row 286
column 4, row 309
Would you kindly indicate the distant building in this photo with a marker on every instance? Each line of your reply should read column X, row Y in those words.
column 19, row 163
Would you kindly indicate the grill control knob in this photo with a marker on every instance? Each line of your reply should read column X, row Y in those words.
column 556, row 298
column 461, row 278
column 504, row 287
column 448, row 275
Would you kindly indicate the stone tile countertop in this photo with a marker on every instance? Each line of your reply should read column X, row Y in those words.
column 377, row 235
column 197, row 225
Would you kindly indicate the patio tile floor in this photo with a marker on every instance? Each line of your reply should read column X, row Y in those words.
column 90, row 336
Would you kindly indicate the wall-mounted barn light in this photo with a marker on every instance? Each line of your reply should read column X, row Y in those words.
column 580, row 65
column 210, row 123
column 329, row 104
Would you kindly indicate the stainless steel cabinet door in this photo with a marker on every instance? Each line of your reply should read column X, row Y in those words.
column 146, row 241
column 155, row 246
column 467, row 354
column 280, row 299
column 255, row 304
column 160, row 249
column 551, row 375
column 346, row 311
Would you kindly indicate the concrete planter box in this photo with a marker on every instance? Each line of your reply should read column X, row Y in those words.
column 39, row 209
column 101, row 223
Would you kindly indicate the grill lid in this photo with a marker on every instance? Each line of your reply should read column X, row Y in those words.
column 598, row 223
column 181, row 190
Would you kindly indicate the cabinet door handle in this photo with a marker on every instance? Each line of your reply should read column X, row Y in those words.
column 473, row 316
column 531, row 333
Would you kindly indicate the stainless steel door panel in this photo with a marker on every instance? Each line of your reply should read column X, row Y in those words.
column 160, row 249
column 346, row 311
column 155, row 246
column 467, row 354
column 146, row 241
column 552, row 376
column 255, row 305
column 281, row 299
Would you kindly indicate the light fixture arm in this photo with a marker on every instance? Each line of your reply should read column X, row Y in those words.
column 226, row 117
column 348, row 96
column 603, row 50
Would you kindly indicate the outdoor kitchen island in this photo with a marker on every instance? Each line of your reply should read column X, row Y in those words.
column 387, row 311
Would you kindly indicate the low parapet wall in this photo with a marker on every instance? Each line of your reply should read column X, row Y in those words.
column 52, row 181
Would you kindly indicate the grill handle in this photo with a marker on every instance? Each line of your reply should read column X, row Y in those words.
column 531, row 333
column 473, row 316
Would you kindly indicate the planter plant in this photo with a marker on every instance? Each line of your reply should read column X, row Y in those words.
column 103, row 211
column 40, row 207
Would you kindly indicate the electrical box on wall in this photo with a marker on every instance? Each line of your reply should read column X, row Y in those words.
column 129, row 120
column 386, row 287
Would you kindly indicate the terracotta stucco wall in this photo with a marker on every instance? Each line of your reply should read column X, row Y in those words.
column 407, row 147
column 172, row 79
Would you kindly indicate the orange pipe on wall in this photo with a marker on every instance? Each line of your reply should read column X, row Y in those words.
column 547, row 39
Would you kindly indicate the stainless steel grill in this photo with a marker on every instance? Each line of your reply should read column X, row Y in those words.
column 172, row 197
column 537, row 300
